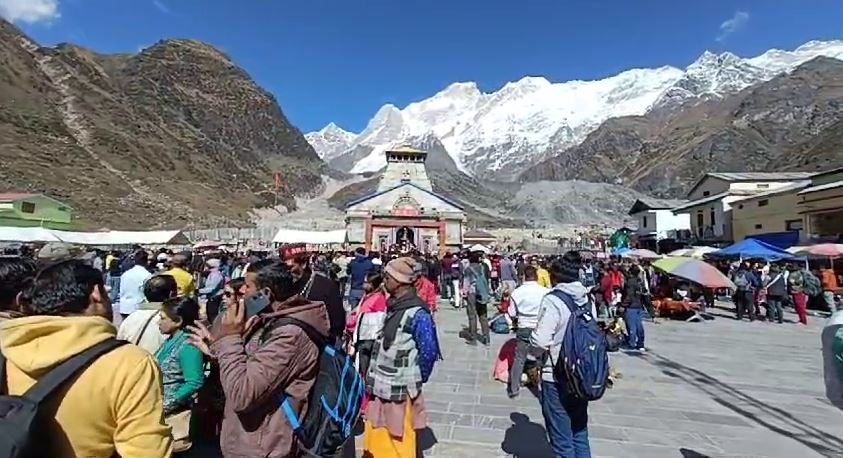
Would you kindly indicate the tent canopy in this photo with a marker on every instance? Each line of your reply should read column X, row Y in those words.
column 310, row 237
column 39, row 234
column 752, row 249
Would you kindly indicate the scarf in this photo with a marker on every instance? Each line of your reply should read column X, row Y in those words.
column 396, row 306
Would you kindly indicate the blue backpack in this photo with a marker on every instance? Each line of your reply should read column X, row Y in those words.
column 583, row 364
column 334, row 402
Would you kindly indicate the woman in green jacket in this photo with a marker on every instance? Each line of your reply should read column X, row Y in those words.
column 182, row 364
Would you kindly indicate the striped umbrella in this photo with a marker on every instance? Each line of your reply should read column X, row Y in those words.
column 694, row 270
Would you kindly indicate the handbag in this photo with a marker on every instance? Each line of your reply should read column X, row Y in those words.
column 179, row 423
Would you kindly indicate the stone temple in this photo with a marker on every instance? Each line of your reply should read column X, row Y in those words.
column 404, row 212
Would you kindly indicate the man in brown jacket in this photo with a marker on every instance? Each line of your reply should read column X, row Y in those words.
column 262, row 362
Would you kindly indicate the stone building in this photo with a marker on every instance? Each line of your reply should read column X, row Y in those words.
column 404, row 212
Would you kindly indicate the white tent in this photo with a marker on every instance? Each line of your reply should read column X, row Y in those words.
column 480, row 248
column 27, row 235
column 39, row 234
column 310, row 237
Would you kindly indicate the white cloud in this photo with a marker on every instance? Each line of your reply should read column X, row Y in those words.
column 161, row 6
column 30, row 11
column 733, row 24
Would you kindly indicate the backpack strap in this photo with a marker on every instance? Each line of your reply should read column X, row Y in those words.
column 565, row 298
column 56, row 377
column 314, row 335
column 4, row 388
column 143, row 330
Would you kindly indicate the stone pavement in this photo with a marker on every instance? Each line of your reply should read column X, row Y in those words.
column 719, row 388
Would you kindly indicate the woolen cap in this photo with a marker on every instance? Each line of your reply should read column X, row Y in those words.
column 403, row 270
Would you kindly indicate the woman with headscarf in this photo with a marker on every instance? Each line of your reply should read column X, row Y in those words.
column 402, row 361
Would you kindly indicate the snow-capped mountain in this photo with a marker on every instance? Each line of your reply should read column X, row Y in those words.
column 331, row 141
column 716, row 75
column 500, row 133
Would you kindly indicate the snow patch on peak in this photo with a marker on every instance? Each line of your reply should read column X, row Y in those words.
column 505, row 130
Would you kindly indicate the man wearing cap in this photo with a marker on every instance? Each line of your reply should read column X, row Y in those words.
column 402, row 361
column 214, row 286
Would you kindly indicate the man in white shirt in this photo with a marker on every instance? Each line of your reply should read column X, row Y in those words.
column 131, row 284
column 141, row 327
column 524, row 309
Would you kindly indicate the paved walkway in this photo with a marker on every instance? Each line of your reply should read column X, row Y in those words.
column 720, row 388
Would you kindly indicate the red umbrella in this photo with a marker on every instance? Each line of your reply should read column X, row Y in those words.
column 824, row 249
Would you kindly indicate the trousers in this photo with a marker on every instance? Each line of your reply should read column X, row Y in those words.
column 566, row 420
column 477, row 311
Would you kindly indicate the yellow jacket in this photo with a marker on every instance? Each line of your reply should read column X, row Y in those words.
column 544, row 277
column 114, row 407
column 184, row 281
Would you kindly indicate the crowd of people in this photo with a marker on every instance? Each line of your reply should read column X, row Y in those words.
column 775, row 286
column 204, row 348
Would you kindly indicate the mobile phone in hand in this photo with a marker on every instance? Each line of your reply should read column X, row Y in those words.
column 256, row 303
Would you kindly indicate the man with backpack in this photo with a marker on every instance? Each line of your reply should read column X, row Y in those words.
column 266, row 362
column 564, row 316
column 796, row 285
column 96, row 397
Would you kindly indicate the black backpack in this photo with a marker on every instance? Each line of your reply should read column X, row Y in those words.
column 334, row 401
column 21, row 417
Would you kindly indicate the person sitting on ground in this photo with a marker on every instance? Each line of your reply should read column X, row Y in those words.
column 141, row 327
column 182, row 364
column 114, row 406
column 15, row 275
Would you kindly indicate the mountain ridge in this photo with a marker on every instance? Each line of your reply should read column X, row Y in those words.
column 177, row 134
column 502, row 133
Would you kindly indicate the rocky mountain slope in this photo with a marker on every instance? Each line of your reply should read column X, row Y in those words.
column 500, row 134
column 176, row 135
column 791, row 122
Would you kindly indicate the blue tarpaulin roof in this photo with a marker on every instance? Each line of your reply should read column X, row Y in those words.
column 752, row 249
column 781, row 240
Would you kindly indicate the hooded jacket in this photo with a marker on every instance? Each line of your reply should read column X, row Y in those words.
column 114, row 407
column 553, row 322
column 256, row 370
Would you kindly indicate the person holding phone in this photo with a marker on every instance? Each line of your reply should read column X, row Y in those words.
column 261, row 361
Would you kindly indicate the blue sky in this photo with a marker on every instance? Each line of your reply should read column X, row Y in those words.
column 340, row 60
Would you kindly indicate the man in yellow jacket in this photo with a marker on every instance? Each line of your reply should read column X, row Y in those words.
column 542, row 274
column 115, row 406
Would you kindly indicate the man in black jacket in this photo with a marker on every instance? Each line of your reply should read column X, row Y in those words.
column 316, row 287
